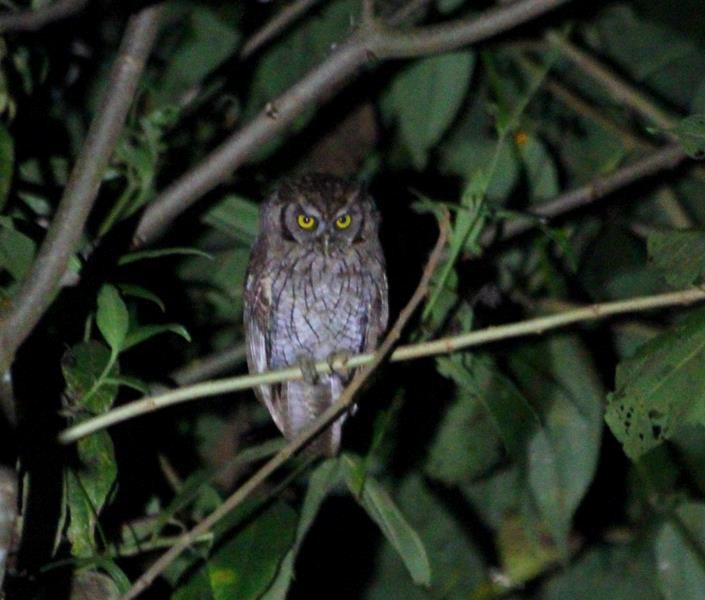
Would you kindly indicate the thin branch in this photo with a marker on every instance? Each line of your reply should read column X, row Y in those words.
column 580, row 106
column 345, row 400
column 210, row 366
column 534, row 326
column 443, row 37
column 368, row 46
column 620, row 90
column 274, row 27
column 32, row 20
column 64, row 235
column 664, row 159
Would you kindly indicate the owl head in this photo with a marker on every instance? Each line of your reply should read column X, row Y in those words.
column 322, row 212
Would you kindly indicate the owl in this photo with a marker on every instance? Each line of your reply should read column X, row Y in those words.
column 316, row 288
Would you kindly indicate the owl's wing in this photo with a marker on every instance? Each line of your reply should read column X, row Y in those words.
column 258, row 296
column 378, row 313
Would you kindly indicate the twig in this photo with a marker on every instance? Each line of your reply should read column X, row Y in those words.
column 301, row 440
column 210, row 366
column 367, row 46
column 660, row 160
column 274, row 27
column 580, row 106
column 31, row 20
column 535, row 326
column 8, row 515
column 620, row 90
column 64, row 235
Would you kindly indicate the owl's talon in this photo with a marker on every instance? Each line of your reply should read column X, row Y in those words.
column 308, row 369
column 337, row 363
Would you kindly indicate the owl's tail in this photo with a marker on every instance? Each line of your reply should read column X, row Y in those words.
column 305, row 403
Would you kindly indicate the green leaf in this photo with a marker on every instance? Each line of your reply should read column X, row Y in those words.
column 16, row 250
column 82, row 365
column 136, row 291
column 691, row 134
column 466, row 443
column 7, row 161
column 87, row 489
column 680, row 552
column 236, row 216
column 112, row 317
column 425, row 98
column 206, row 42
column 678, row 255
column 322, row 479
column 457, row 564
column 244, row 567
column 559, row 379
column 617, row 573
column 383, row 511
column 660, row 388
column 130, row 382
column 540, row 170
column 143, row 333
column 525, row 549
column 161, row 252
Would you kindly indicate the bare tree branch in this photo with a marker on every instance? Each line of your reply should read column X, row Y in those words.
column 274, row 27
column 345, row 400
column 620, row 90
column 463, row 341
column 32, row 20
column 664, row 159
column 63, row 236
column 368, row 45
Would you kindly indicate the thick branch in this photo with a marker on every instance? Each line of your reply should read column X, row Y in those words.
column 369, row 45
column 32, row 20
column 535, row 326
column 450, row 36
column 344, row 402
column 63, row 236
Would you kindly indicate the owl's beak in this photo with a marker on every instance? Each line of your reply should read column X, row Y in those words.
column 326, row 244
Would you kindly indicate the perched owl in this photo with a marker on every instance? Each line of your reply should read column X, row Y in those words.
column 316, row 287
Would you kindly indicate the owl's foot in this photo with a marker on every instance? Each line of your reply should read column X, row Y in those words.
column 337, row 362
column 308, row 369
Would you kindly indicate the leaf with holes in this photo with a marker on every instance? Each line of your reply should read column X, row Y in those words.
column 660, row 388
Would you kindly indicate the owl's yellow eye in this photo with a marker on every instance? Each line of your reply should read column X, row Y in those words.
column 305, row 221
column 343, row 222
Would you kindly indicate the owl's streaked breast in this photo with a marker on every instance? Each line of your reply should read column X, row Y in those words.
column 319, row 307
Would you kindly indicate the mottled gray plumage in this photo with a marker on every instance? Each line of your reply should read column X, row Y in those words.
column 316, row 287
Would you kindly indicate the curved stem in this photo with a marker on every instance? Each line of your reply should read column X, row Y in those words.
column 535, row 326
